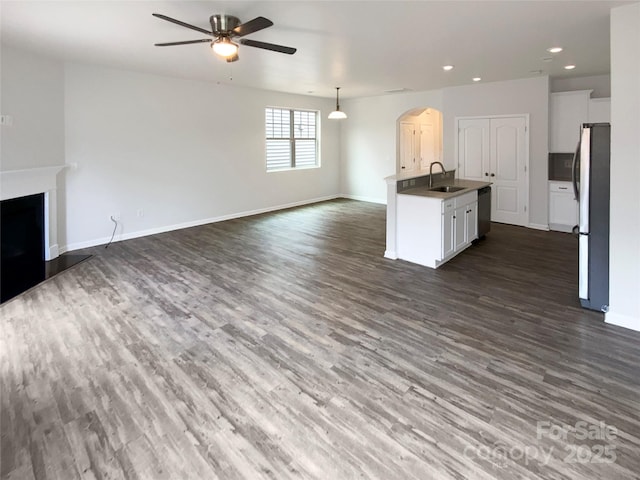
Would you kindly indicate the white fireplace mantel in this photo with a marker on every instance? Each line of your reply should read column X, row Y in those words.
column 31, row 181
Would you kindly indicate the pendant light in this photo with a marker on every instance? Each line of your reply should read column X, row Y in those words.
column 337, row 113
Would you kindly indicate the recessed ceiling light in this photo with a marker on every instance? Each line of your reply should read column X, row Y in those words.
column 569, row 67
column 554, row 49
column 476, row 79
column 446, row 68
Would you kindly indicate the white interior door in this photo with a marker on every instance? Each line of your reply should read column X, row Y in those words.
column 407, row 147
column 495, row 149
column 509, row 192
column 427, row 145
column 474, row 148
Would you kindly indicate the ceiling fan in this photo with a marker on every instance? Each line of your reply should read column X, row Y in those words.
column 223, row 29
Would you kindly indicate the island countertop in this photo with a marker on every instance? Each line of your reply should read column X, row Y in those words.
column 467, row 186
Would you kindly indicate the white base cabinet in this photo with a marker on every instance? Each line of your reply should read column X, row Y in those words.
column 431, row 231
column 563, row 207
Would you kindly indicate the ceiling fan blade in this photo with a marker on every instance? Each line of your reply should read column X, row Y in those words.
column 258, row 23
column 183, row 43
column 269, row 46
column 235, row 58
column 182, row 24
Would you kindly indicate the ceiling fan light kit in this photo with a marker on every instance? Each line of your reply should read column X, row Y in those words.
column 224, row 47
column 337, row 114
column 223, row 29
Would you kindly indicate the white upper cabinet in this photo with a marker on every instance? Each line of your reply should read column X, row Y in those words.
column 567, row 112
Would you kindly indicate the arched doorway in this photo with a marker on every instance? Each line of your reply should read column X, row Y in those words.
column 419, row 139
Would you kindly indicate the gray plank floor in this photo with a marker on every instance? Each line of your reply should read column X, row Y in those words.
column 285, row 346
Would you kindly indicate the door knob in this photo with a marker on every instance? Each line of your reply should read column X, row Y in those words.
column 486, row 174
column 493, row 174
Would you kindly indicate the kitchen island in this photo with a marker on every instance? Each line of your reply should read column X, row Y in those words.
column 430, row 220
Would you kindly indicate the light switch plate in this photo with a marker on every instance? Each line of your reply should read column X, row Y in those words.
column 6, row 120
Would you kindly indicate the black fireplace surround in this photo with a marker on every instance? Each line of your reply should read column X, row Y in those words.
column 22, row 234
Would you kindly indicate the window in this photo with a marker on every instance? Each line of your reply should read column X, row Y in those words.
column 292, row 138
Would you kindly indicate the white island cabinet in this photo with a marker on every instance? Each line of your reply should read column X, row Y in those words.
column 431, row 231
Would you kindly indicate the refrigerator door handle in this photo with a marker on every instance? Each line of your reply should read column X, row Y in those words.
column 574, row 172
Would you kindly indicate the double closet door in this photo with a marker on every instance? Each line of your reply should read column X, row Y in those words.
column 495, row 149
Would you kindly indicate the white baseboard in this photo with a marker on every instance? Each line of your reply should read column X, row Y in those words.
column 364, row 199
column 539, row 226
column 53, row 252
column 390, row 254
column 620, row 320
column 169, row 228
column 560, row 228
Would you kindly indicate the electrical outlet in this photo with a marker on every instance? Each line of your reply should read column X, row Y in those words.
column 140, row 212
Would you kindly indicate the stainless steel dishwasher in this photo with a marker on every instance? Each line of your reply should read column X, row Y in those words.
column 484, row 211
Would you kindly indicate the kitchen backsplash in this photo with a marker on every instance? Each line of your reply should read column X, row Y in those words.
column 438, row 179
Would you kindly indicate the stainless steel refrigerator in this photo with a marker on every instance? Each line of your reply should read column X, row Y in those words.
column 591, row 187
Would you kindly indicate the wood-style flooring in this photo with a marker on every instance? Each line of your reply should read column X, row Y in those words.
column 285, row 346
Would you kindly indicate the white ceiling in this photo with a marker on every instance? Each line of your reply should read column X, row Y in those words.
column 365, row 47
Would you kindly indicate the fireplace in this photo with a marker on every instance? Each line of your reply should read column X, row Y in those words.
column 23, row 259
column 30, row 181
column 29, row 221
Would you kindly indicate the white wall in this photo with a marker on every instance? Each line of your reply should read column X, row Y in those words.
column 600, row 84
column 32, row 92
column 182, row 151
column 624, row 260
column 369, row 134
column 529, row 95
column 368, row 146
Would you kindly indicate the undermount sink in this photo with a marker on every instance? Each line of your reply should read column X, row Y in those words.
column 446, row 188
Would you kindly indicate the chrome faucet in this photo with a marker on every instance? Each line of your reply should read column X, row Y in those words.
column 431, row 172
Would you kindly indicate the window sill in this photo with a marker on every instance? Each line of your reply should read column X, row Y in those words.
column 293, row 169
